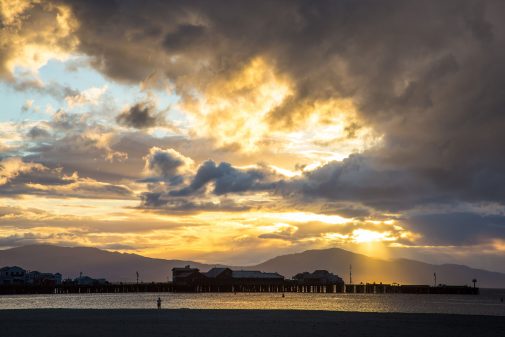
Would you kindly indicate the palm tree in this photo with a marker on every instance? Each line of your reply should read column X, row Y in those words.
column 474, row 281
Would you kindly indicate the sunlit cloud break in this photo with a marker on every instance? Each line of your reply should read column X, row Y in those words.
column 186, row 129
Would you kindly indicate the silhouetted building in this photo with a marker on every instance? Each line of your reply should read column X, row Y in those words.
column 254, row 275
column 12, row 275
column 318, row 277
column 219, row 273
column 186, row 275
column 89, row 281
column 42, row 279
column 18, row 276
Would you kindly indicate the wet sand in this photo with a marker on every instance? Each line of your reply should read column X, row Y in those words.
column 243, row 323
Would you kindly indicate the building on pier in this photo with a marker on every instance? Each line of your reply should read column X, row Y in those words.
column 254, row 276
column 224, row 277
column 186, row 276
column 37, row 278
column 318, row 277
column 12, row 275
column 18, row 276
column 83, row 280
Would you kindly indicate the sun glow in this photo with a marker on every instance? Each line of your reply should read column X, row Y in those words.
column 365, row 236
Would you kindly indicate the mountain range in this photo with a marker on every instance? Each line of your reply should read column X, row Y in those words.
column 114, row 266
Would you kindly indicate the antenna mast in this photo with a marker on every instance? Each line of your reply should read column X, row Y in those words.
column 350, row 274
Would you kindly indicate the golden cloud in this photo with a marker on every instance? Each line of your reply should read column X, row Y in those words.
column 238, row 111
column 233, row 109
column 34, row 32
column 12, row 167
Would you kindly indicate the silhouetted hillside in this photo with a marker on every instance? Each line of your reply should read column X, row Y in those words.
column 367, row 269
column 93, row 262
column 122, row 267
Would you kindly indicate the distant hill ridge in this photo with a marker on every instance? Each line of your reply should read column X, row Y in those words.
column 114, row 266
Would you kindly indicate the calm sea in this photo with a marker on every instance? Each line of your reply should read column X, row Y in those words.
column 487, row 303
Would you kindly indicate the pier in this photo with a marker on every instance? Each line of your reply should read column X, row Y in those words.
column 373, row 288
column 286, row 286
column 216, row 280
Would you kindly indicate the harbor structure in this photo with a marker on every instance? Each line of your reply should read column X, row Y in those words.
column 16, row 280
column 18, row 276
column 224, row 279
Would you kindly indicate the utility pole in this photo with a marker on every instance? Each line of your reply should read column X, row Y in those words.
column 350, row 274
column 137, row 277
column 435, row 279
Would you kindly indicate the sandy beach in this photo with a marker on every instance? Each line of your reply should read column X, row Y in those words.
column 244, row 323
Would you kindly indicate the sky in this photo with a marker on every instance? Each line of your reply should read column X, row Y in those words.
column 236, row 131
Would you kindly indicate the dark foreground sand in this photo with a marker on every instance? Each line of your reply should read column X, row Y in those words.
column 222, row 323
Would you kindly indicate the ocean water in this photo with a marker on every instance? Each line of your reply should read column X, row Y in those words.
column 487, row 303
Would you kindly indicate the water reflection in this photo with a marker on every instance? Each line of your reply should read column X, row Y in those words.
column 488, row 303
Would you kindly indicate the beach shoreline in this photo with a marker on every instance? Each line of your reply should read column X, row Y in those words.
column 244, row 323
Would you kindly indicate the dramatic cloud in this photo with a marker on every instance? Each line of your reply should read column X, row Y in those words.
column 10, row 168
column 386, row 114
column 18, row 178
column 228, row 179
column 141, row 116
column 429, row 77
column 167, row 164
column 459, row 228
column 33, row 32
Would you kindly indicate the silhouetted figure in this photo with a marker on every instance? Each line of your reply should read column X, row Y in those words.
column 159, row 302
column 283, row 295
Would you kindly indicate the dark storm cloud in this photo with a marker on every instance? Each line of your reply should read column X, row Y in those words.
column 166, row 164
column 364, row 179
column 184, row 36
column 459, row 228
column 223, row 180
column 164, row 203
column 141, row 116
column 425, row 74
column 227, row 179
column 428, row 75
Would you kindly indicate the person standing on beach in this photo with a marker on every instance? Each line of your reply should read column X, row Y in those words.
column 159, row 302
